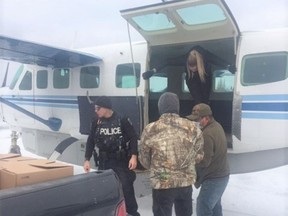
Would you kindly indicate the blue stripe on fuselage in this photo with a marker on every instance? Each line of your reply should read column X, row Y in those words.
column 269, row 106
column 46, row 101
column 265, row 106
column 278, row 97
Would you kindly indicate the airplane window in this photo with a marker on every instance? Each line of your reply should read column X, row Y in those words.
column 125, row 77
column 201, row 14
column 194, row 15
column 158, row 83
column 184, row 86
column 61, row 78
column 153, row 22
column 26, row 82
column 264, row 68
column 223, row 81
column 42, row 79
column 89, row 77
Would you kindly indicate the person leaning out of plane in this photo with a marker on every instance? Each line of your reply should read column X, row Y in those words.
column 114, row 136
column 170, row 147
column 198, row 75
column 213, row 171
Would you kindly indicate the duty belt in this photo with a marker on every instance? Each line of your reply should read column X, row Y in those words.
column 118, row 155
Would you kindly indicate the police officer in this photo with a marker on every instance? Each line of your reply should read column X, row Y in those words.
column 116, row 140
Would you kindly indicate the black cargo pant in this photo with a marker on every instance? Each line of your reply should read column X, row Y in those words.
column 127, row 178
column 163, row 200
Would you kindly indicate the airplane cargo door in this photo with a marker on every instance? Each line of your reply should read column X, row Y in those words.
column 171, row 29
column 182, row 21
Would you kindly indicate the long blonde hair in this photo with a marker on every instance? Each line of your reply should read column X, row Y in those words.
column 195, row 58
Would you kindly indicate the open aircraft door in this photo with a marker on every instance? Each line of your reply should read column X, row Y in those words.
column 178, row 24
column 182, row 21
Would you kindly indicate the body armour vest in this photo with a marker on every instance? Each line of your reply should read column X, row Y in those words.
column 108, row 134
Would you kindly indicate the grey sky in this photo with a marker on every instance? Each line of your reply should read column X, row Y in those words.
column 83, row 23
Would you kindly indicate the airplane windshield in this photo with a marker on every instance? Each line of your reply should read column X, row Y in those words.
column 16, row 77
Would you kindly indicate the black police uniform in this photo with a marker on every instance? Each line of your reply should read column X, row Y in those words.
column 116, row 140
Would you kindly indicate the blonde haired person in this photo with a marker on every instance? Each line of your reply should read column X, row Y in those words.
column 198, row 76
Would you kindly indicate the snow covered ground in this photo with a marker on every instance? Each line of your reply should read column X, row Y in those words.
column 262, row 193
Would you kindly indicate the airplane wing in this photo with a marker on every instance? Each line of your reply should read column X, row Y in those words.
column 32, row 53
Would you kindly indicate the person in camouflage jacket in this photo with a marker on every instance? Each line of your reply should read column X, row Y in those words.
column 169, row 148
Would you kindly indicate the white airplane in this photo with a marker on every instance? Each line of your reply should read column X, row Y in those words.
column 50, row 99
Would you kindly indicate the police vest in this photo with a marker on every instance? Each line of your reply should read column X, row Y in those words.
column 108, row 136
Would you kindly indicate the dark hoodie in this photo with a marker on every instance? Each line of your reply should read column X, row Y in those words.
column 199, row 90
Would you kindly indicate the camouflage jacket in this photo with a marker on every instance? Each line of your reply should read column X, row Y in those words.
column 170, row 148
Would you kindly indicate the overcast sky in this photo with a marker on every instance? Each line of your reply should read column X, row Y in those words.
column 82, row 23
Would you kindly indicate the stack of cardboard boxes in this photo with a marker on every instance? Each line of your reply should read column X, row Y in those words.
column 16, row 170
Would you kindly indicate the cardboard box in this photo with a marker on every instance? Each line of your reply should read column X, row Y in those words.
column 7, row 156
column 21, row 159
column 7, row 159
column 26, row 171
